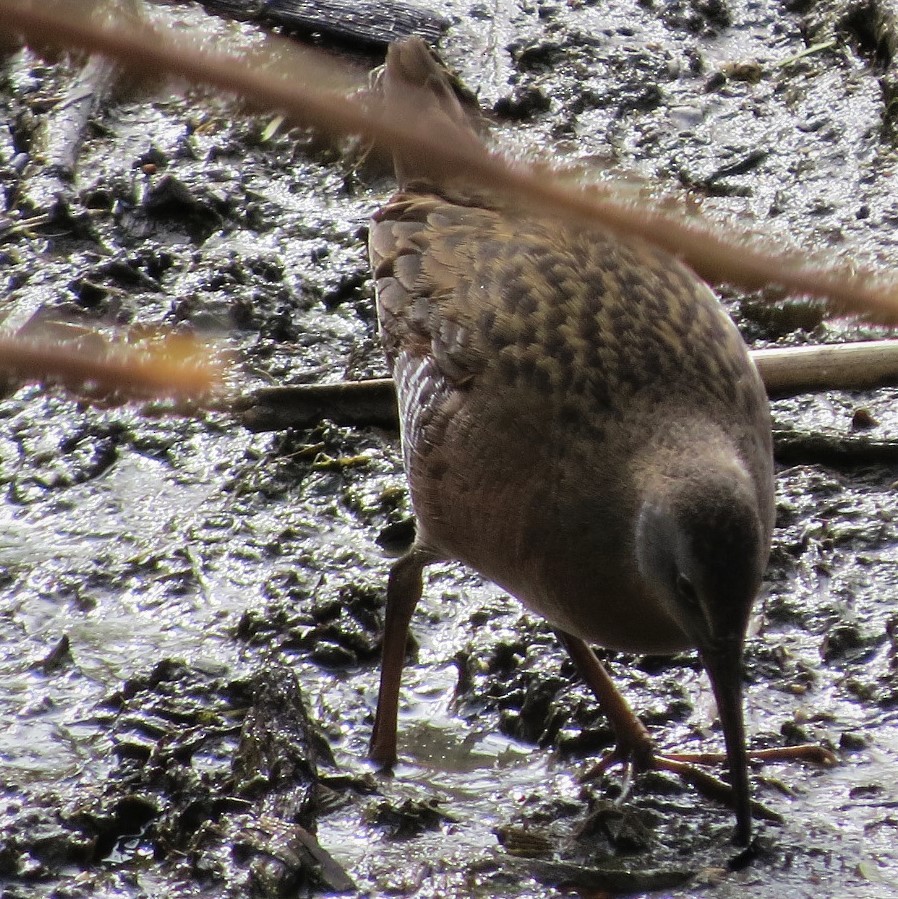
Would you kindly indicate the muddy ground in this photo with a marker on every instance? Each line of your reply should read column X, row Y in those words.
column 173, row 586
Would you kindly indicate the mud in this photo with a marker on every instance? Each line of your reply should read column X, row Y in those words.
column 174, row 587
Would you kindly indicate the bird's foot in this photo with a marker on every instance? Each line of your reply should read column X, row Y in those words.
column 688, row 771
column 811, row 753
column 688, row 767
column 711, row 787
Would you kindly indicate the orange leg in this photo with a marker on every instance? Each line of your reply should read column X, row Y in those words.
column 404, row 589
column 632, row 740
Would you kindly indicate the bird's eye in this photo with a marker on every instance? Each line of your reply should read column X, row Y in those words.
column 686, row 591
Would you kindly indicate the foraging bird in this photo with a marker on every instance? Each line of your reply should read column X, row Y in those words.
column 581, row 424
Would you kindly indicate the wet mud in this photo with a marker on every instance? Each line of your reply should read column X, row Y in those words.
column 190, row 612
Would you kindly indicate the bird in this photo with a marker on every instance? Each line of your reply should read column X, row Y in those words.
column 581, row 423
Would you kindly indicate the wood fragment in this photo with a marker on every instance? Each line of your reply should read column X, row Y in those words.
column 369, row 24
column 792, row 447
column 59, row 138
column 371, row 402
column 846, row 366
column 614, row 881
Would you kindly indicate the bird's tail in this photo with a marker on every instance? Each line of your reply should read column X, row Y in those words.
column 421, row 94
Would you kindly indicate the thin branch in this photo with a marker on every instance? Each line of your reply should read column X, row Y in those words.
column 847, row 366
column 175, row 366
column 371, row 402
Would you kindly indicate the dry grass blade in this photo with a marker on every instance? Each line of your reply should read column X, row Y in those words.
column 174, row 366
column 715, row 256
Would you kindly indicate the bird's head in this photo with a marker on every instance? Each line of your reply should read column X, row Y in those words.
column 702, row 545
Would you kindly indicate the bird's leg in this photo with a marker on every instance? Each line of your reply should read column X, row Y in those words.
column 403, row 592
column 633, row 745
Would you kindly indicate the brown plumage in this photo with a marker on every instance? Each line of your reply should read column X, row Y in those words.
column 581, row 423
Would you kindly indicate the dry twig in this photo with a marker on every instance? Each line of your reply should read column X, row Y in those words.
column 175, row 366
